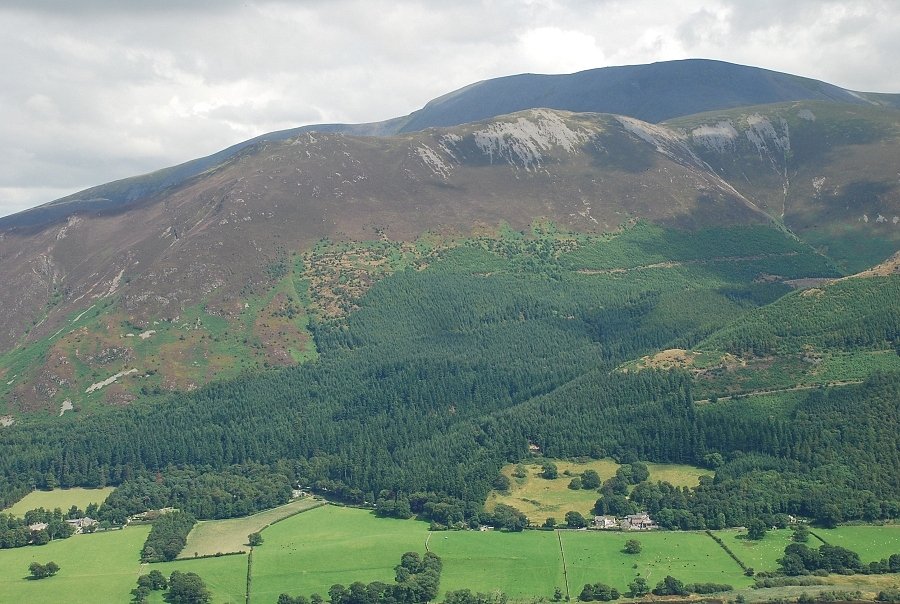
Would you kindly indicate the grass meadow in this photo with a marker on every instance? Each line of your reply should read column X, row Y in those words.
column 522, row 565
column 102, row 567
column 210, row 537
column 225, row 576
column 312, row 551
column 870, row 542
column 760, row 555
column 59, row 498
column 692, row 557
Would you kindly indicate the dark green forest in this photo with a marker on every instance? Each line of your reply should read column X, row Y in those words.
column 444, row 375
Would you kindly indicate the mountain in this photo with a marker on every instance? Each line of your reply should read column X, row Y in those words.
column 394, row 318
column 202, row 274
column 650, row 93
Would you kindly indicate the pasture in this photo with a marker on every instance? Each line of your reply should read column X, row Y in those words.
column 102, row 567
column 310, row 552
column 760, row 555
column 540, row 498
column 692, row 557
column 210, row 537
column 225, row 576
column 59, row 498
column 870, row 542
column 523, row 565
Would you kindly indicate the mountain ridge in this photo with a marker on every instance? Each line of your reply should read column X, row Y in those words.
column 690, row 86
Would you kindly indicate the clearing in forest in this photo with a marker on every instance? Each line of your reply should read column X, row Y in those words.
column 59, row 498
column 540, row 498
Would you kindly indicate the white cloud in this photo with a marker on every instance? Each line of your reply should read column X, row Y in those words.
column 103, row 89
column 555, row 50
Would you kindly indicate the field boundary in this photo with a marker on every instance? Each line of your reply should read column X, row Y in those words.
column 817, row 536
column 249, row 575
column 727, row 549
column 314, row 507
column 562, row 553
column 233, row 543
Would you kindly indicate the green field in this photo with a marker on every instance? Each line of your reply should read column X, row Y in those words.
column 870, row 542
column 309, row 552
column 523, row 565
column 102, row 567
column 225, row 576
column 312, row 551
column 692, row 557
column 540, row 498
column 225, row 536
column 760, row 555
column 59, row 498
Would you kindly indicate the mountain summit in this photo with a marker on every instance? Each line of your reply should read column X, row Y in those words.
column 651, row 93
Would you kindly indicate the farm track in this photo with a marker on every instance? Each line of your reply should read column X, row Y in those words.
column 761, row 391
column 678, row 263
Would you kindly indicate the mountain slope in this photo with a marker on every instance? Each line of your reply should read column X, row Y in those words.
column 221, row 228
column 837, row 333
column 217, row 274
column 829, row 172
column 448, row 372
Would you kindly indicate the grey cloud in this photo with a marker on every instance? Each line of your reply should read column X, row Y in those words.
column 82, row 7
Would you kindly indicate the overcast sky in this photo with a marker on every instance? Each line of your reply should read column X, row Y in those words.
column 96, row 90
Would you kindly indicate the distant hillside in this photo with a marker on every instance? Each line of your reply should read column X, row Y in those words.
column 651, row 93
column 228, row 250
column 224, row 235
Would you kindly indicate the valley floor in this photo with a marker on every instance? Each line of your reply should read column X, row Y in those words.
column 308, row 552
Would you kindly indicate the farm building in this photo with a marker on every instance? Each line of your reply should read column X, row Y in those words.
column 606, row 522
column 81, row 524
column 638, row 522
